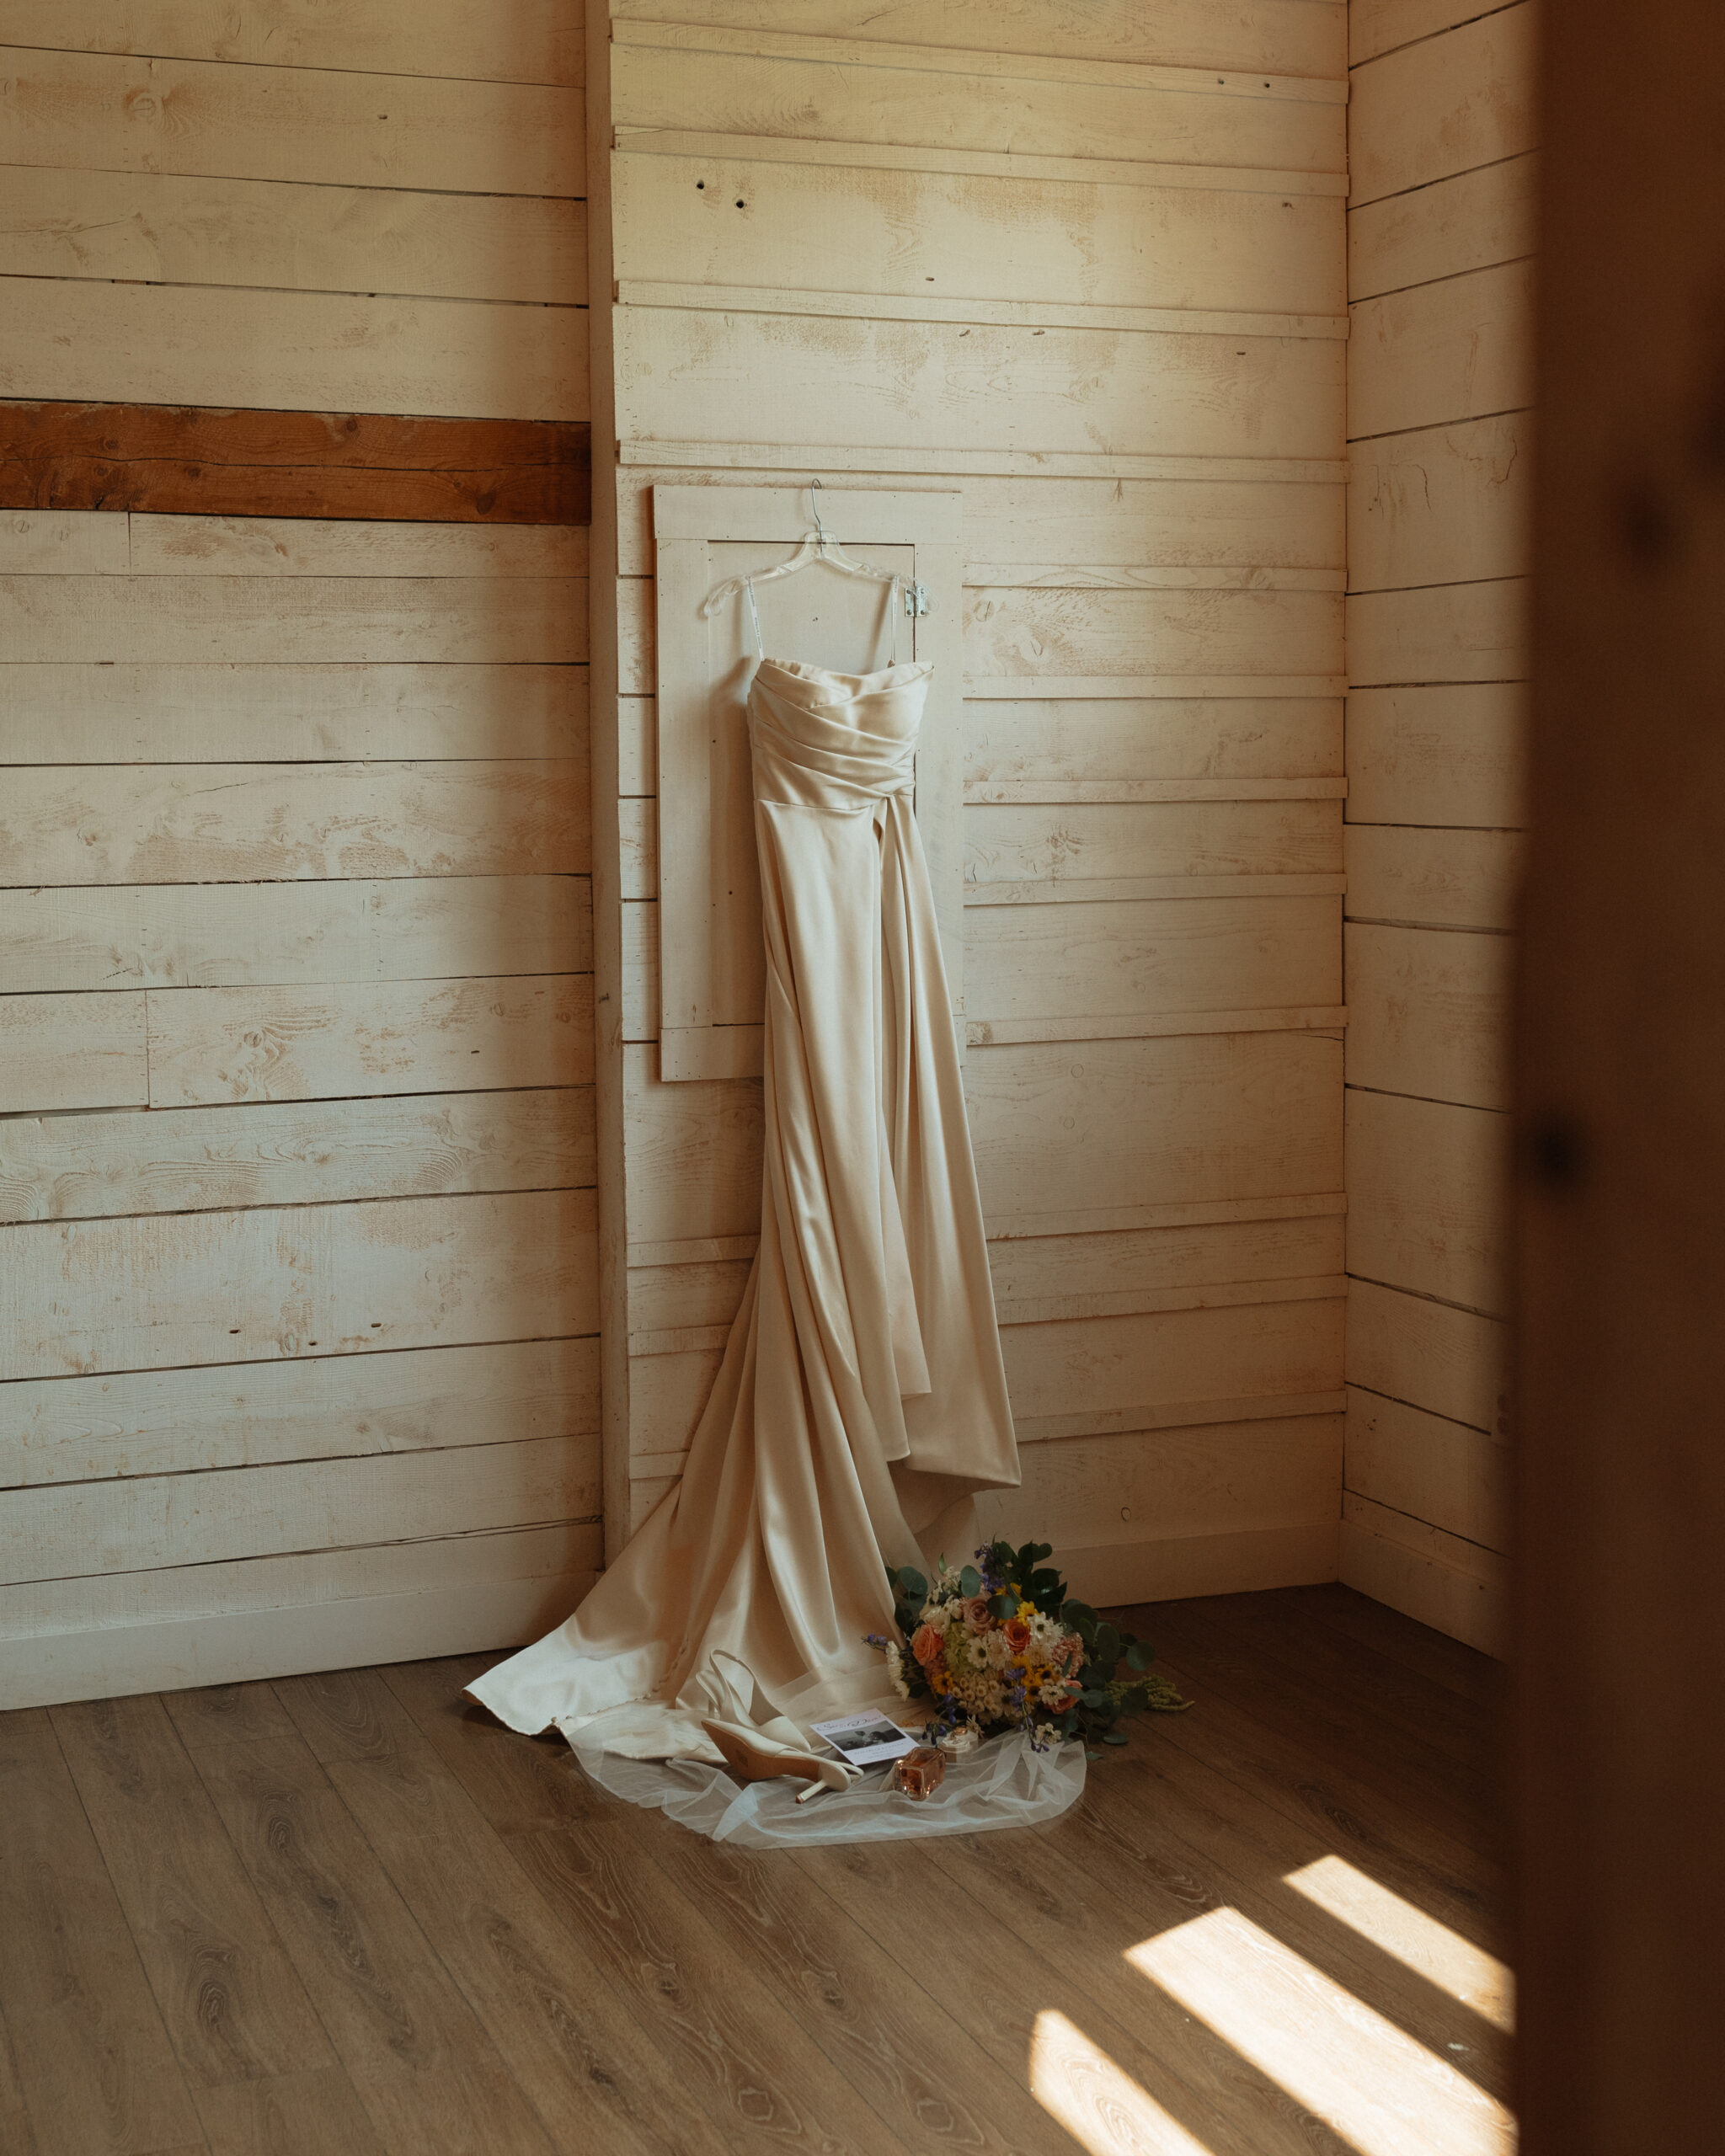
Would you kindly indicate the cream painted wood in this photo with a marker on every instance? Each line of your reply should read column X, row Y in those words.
column 101, row 112
column 1444, row 505
column 923, row 386
column 1426, row 1199
column 73, row 1052
column 1433, row 878
column 693, row 1154
column 164, row 228
column 1456, row 350
column 1307, row 38
column 310, row 546
column 1428, row 1013
column 1436, row 754
column 274, row 619
column 1025, row 636
column 938, row 237
column 834, row 459
column 1078, row 523
column 1380, row 26
column 46, row 541
column 95, row 712
column 334, row 1041
column 1134, row 1025
column 1441, row 105
column 1098, row 890
column 170, row 1422
column 214, row 935
column 1145, row 959
column 1452, row 1362
column 711, row 976
column 272, row 823
column 1088, row 741
column 315, row 351
column 1215, row 1479
column 834, row 90
column 1470, row 222
column 1447, row 632
column 1087, row 842
column 66, row 1167
column 638, row 848
column 1202, row 1564
column 272, row 1284
column 1433, row 1470
column 139, row 1523
column 1454, row 1586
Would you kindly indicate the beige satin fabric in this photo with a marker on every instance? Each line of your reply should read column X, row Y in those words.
column 861, row 1398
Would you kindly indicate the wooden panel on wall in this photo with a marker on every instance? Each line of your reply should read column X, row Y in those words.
column 1433, row 878
column 1448, row 632
column 1441, row 505
column 1425, row 1182
column 1437, row 354
column 73, row 1052
column 190, row 461
column 1438, row 1579
column 1436, row 754
column 1435, row 1469
column 1428, row 1013
column 1087, row 740
column 1095, row 841
column 1409, row 1347
column 1444, row 104
column 1444, row 230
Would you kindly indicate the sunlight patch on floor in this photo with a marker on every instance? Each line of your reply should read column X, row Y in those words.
column 1419, row 1942
column 1104, row 2110
column 1373, row 2083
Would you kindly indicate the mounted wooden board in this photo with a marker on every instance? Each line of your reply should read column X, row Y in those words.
column 1458, row 350
column 1420, row 879
column 214, row 935
column 833, row 90
column 235, row 1415
column 1441, row 105
column 1455, row 1587
column 1085, row 739
column 163, row 228
column 536, row 41
column 1446, row 633
column 1455, row 1477
column 1469, row 222
column 950, row 235
column 1436, row 755
column 1428, row 1013
column 66, row 1167
column 134, row 114
column 272, row 1285
column 318, row 351
column 711, row 969
column 334, row 1041
column 1093, row 841
column 1441, row 505
column 123, row 713
column 1306, row 38
column 929, row 387
column 1427, row 1198
column 273, row 823
column 1023, row 637
column 73, row 1052
column 1452, row 1362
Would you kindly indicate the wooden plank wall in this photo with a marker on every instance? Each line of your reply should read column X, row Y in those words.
column 1442, row 157
column 297, row 1277
column 1086, row 263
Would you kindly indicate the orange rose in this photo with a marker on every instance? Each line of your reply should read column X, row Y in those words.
column 1018, row 1633
column 926, row 1645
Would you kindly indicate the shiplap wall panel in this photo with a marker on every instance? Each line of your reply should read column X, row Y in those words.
column 1442, row 104
column 1428, row 1013
column 1304, row 38
column 163, row 228
column 1084, row 741
column 124, row 713
column 1441, row 505
column 997, row 104
column 1443, row 230
column 213, row 935
column 151, row 1292
column 1029, row 634
column 1436, row 753
column 1423, row 877
column 337, row 1041
column 175, row 1421
column 267, row 823
column 1444, row 632
column 1450, row 1362
column 958, row 236
column 66, row 1167
column 73, row 1052
column 1438, row 1579
column 1459, row 348
column 684, row 374
column 307, row 546
column 123, row 113
column 1089, row 842
column 1431, row 1469
column 1425, row 1198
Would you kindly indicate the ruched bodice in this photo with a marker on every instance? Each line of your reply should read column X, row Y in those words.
column 837, row 741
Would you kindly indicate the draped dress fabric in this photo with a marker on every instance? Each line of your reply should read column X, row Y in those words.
column 862, row 1399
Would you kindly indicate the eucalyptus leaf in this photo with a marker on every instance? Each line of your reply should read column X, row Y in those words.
column 1115, row 1736
column 1139, row 1656
column 970, row 1583
column 913, row 1583
column 1003, row 1605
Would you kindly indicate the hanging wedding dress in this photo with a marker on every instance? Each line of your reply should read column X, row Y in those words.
column 861, row 1398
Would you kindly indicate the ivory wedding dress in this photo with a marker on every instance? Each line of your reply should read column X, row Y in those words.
column 862, row 1399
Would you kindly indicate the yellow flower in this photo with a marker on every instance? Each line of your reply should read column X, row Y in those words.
column 1026, row 1610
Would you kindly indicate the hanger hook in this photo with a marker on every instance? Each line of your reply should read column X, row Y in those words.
column 814, row 489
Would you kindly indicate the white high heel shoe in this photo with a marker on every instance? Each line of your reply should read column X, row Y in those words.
column 752, row 1758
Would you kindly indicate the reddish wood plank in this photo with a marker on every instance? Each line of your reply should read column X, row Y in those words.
column 188, row 460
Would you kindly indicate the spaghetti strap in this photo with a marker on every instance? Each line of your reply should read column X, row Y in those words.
column 754, row 614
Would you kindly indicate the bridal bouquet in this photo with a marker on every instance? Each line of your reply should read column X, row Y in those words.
column 998, row 1644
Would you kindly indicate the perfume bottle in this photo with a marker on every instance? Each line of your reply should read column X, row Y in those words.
column 918, row 1773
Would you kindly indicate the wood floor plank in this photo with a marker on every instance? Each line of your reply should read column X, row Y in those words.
column 313, row 2114
column 1452, row 1664
column 226, row 1714
column 593, row 2077
column 17, row 2135
column 539, row 1785
column 428, row 2074
column 895, row 2042
column 762, row 2080
column 233, row 2006
column 98, row 2072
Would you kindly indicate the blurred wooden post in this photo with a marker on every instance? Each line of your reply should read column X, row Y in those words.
column 1621, row 1076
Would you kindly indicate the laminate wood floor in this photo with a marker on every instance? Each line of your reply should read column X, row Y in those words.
column 350, row 1914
